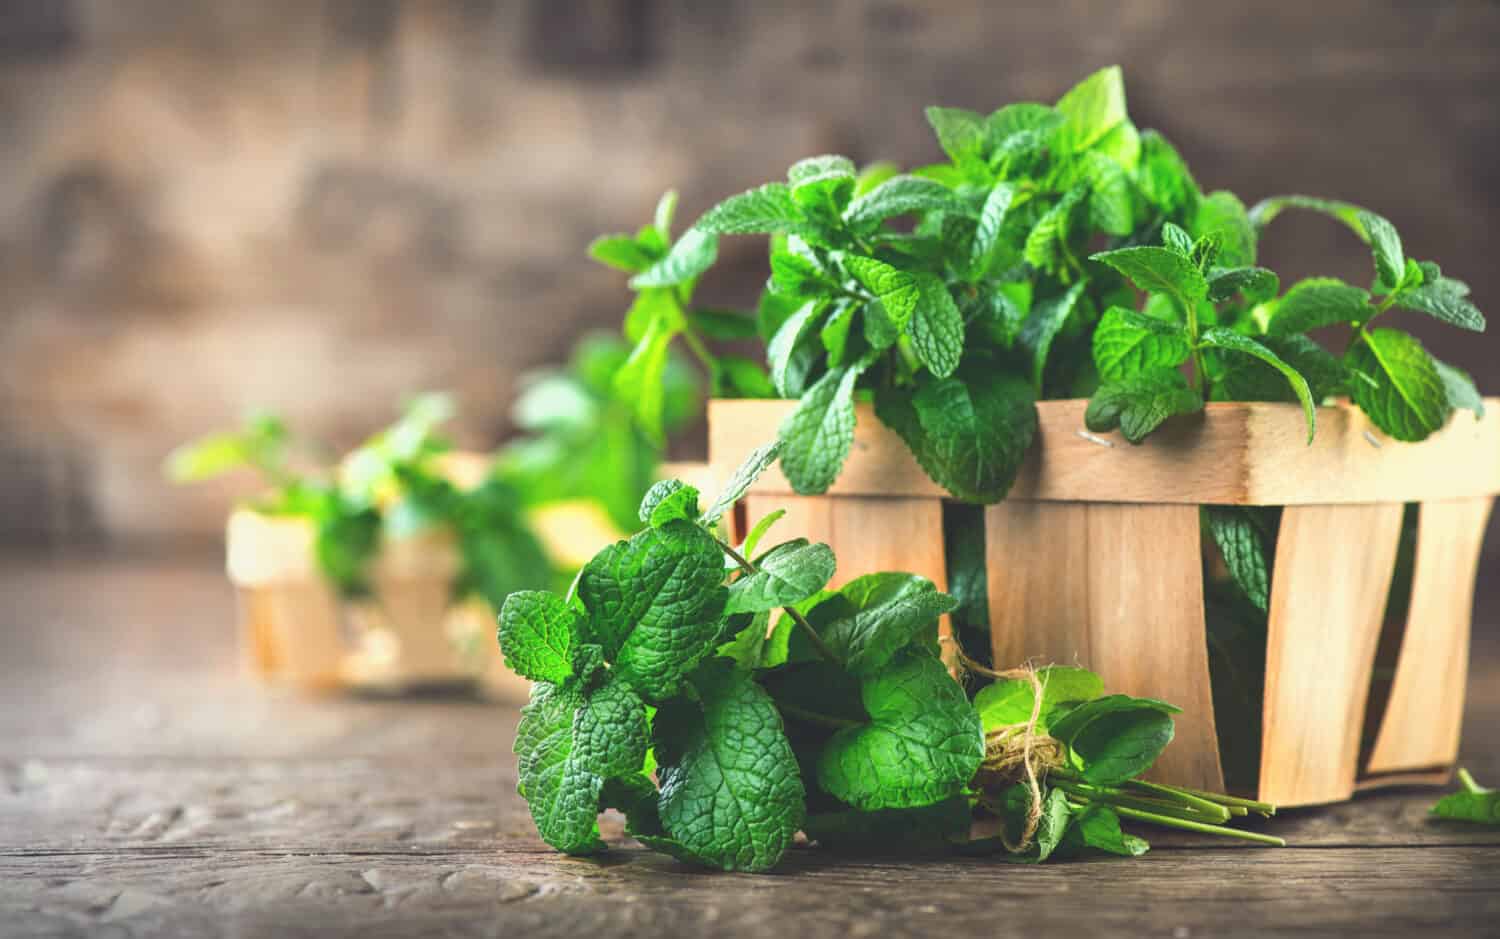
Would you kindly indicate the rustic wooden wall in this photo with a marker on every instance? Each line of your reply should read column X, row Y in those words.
column 320, row 205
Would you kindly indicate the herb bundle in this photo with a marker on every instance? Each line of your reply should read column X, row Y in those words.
column 663, row 689
column 996, row 295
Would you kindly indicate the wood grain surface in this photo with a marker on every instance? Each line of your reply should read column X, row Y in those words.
column 145, row 790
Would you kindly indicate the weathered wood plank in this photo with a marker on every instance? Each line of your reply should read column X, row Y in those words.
column 1232, row 454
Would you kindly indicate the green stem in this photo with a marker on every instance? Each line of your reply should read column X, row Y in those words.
column 1260, row 808
column 812, row 634
column 813, row 717
column 1202, row 805
column 1120, row 799
column 1470, row 784
column 1206, row 829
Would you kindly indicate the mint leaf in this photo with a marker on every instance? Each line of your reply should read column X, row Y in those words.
column 1140, row 404
column 1128, row 343
column 922, row 743
column 816, row 436
column 1266, row 211
column 1444, row 299
column 1223, row 213
column 1048, row 245
column 896, row 290
column 1051, row 828
column 666, row 208
column 536, row 635
column 1009, row 701
column 901, row 195
column 731, row 795
column 873, row 617
column 1385, row 245
column 937, row 328
column 1097, row 827
column 1243, row 378
column 1244, row 553
column 991, row 223
column 1158, row 270
column 766, row 210
column 1474, row 803
column 796, row 275
column 567, row 745
column 791, row 352
column 621, row 252
column 758, row 531
column 739, row 377
column 1460, row 388
column 642, row 379
column 1175, row 238
column 1164, row 177
column 820, row 166
column 1408, row 399
column 739, row 483
column 1256, row 284
column 788, row 574
column 669, row 500
column 1048, row 316
column 694, row 253
column 655, row 604
column 1218, row 337
column 1112, row 201
column 963, row 135
column 970, row 431
column 1116, row 738
column 747, row 647
column 1092, row 108
column 836, row 331
column 1317, row 302
column 728, row 325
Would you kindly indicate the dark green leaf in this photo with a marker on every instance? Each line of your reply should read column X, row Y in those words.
column 1408, row 399
column 816, row 436
column 1444, row 299
column 991, row 223
column 669, row 500
column 1140, row 404
column 1317, row 302
column 727, row 325
column 1256, row 284
column 788, row 574
column 792, row 352
column 1158, row 270
column 1218, row 337
column 1116, row 738
column 1127, row 343
column 879, row 615
column 1385, row 245
column 901, row 195
column 937, row 328
column 1047, row 319
column 1474, row 803
column 1244, row 553
column 536, row 635
column 896, row 289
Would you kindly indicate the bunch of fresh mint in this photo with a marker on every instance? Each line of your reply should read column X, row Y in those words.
column 662, row 689
column 993, row 295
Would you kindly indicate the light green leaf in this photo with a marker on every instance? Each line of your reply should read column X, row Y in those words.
column 1009, row 701
column 788, row 574
column 963, row 135
column 937, row 327
column 1474, row 803
column 1385, row 245
column 666, row 208
column 896, row 289
column 1140, row 404
column 922, row 743
column 1256, row 284
column 991, row 222
column 1158, row 270
column 767, row 210
column 1218, row 337
column 758, row 531
column 1317, row 302
column 744, row 476
column 1266, row 211
column 1048, row 244
column 1444, row 299
column 1223, row 213
column 694, row 253
column 621, row 252
column 1164, row 177
column 1128, row 343
column 1092, row 108
column 669, row 500
column 536, row 635
column 1173, row 237
column 731, row 795
column 791, row 351
column 901, row 195
column 1408, row 399
column 818, row 166
column 1460, row 388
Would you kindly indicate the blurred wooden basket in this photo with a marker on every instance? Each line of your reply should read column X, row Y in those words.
column 1096, row 558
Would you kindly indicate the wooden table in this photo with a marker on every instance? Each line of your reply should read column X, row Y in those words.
column 147, row 789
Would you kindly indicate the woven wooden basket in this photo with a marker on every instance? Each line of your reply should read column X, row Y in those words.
column 1096, row 558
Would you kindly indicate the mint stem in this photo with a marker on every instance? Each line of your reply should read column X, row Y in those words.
column 797, row 617
column 1120, row 799
column 1260, row 808
column 1202, row 827
column 1205, row 806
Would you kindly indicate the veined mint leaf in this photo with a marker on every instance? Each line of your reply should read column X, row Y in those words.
column 796, row 275
column 1243, row 551
column 1092, row 108
column 1460, row 387
column 731, row 795
column 970, row 431
column 922, row 743
column 963, row 135
column 1009, row 701
column 536, row 635
column 1140, row 404
column 937, row 328
column 655, row 604
column 1128, row 343
column 1116, row 738
column 1444, row 299
column 747, row 646
column 875, row 616
column 745, row 475
column 1317, row 302
column 835, row 333
column 1111, row 193
column 1218, row 337
column 669, row 500
column 792, row 351
column 991, row 223
column 1206, row 250
column 818, row 166
column 1176, row 239
column 1021, row 117
column 1048, row 244
column 1408, row 400
column 901, row 195
column 1385, row 245
column 567, row 744
column 1048, row 316
column 1256, row 284
column 816, row 437
column 766, row 210
column 788, row 574
column 896, row 289
column 620, row 252
column 1051, row 828
column 1164, row 177
column 694, row 253
column 1158, row 270
column 1223, row 213
column 1243, row 378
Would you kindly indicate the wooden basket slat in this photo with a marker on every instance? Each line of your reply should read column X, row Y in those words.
column 1235, row 453
column 1328, row 590
column 1036, row 615
column 291, row 632
column 1420, row 727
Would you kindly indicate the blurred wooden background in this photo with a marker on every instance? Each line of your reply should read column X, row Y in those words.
column 319, row 206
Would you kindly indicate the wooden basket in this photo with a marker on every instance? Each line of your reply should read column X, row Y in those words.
column 1095, row 558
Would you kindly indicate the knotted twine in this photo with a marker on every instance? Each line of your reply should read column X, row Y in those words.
column 1016, row 750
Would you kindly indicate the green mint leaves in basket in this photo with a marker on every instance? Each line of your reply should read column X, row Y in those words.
column 1057, row 251
column 725, row 698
